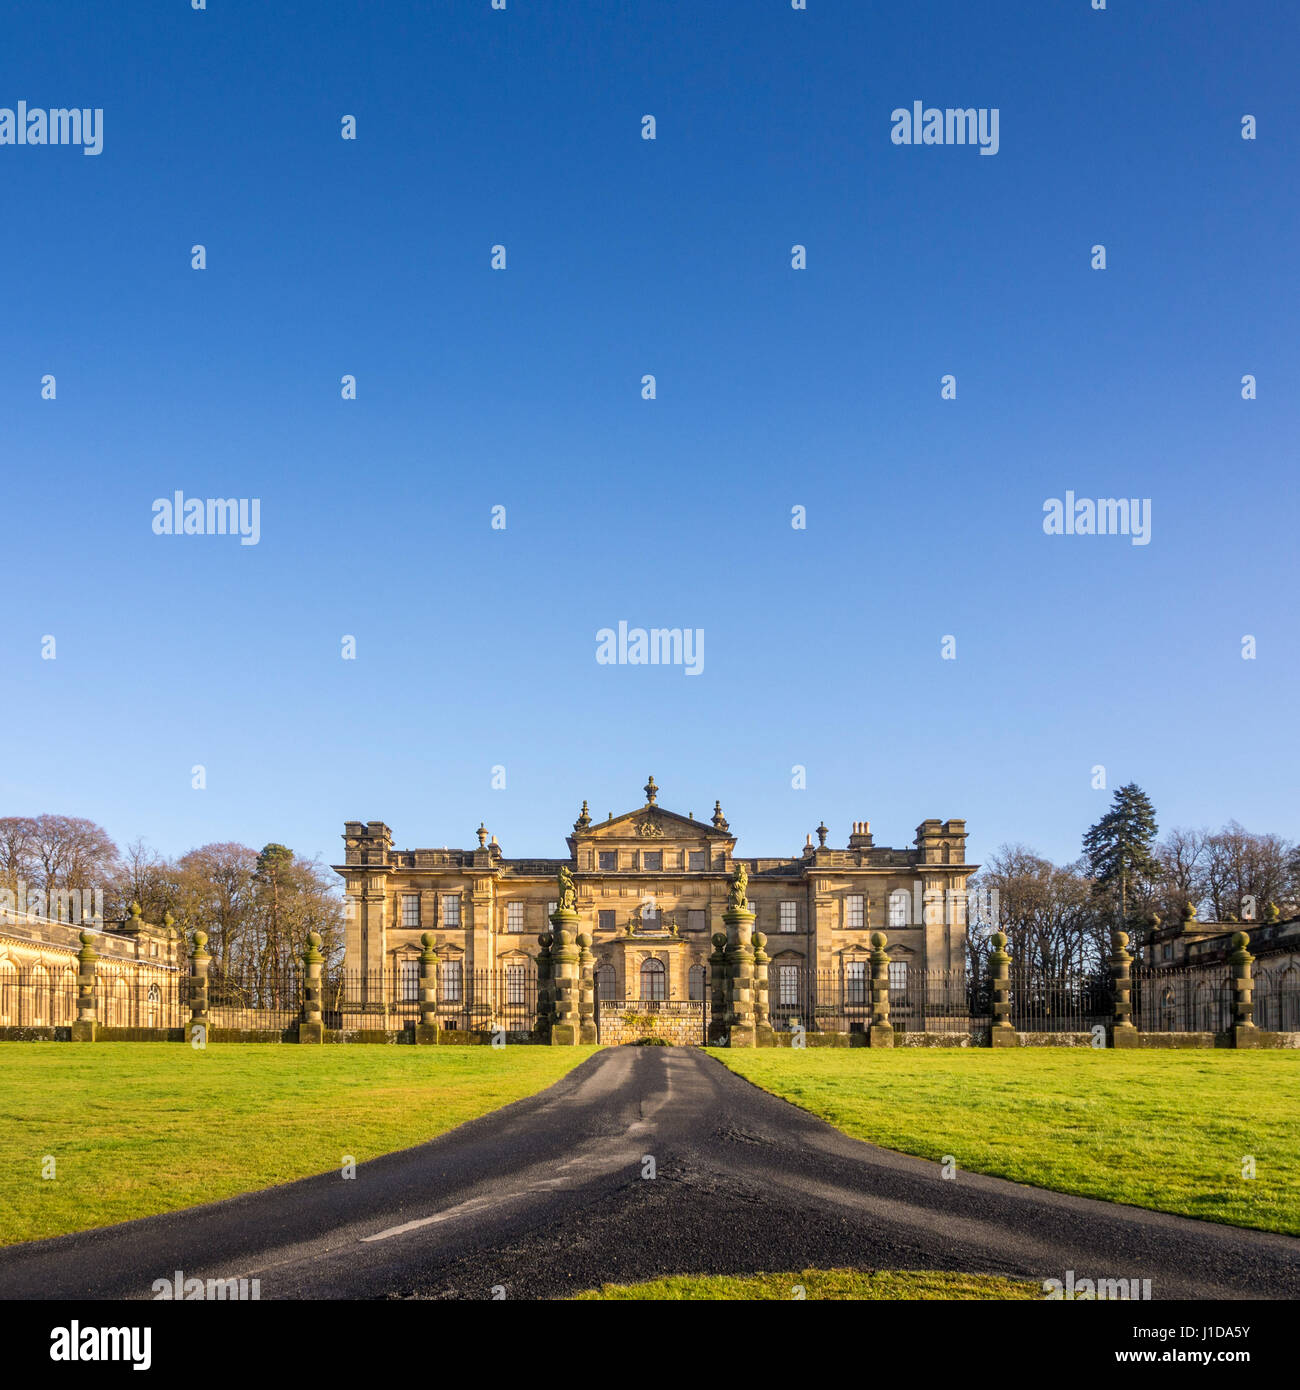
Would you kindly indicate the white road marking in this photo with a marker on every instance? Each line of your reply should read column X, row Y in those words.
column 462, row 1210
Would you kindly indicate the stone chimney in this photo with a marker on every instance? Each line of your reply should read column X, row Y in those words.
column 861, row 836
column 367, row 844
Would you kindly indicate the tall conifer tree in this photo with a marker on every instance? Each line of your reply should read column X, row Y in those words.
column 1120, row 848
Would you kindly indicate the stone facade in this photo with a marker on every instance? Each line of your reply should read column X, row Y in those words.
column 138, row 968
column 1275, row 941
column 1201, row 948
column 652, row 889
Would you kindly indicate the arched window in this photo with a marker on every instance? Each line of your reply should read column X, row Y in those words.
column 1287, row 1006
column 120, row 1014
column 152, row 1000
column 606, row 984
column 695, row 982
column 40, row 996
column 653, row 978
column 65, row 996
column 8, row 993
column 1203, row 1011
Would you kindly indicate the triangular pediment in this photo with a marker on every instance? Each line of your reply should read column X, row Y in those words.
column 651, row 823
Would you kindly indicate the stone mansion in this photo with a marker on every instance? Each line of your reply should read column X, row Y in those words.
column 651, row 890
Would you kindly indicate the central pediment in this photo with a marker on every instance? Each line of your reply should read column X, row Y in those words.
column 650, row 823
column 651, row 826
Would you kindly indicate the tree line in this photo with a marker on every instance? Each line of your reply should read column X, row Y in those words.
column 1061, row 916
column 256, row 906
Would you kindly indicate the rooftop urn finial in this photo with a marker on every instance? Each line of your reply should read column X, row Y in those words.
column 584, row 819
column 651, row 791
column 482, row 834
column 822, row 831
column 719, row 820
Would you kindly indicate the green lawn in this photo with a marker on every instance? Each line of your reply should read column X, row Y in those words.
column 139, row 1128
column 824, row 1283
column 1165, row 1130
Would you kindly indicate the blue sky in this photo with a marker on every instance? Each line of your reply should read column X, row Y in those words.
column 476, row 648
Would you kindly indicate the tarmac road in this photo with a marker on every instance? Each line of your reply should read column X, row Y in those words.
column 547, row 1197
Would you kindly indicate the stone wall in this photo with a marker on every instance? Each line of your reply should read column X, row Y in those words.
column 618, row 1026
column 966, row 1039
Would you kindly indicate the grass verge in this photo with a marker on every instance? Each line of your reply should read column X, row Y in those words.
column 881, row 1284
column 1172, row 1131
column 140, row 1128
